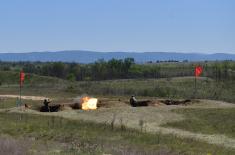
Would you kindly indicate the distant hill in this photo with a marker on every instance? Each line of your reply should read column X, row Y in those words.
column 91, row 56
column 33, row 80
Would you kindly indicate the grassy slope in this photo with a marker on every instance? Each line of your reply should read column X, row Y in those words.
column 9, row 78
column 33, row 85
column 10, row 103
column 179, row 87
column 208, row 121
column 90, row 138
column 168, row 88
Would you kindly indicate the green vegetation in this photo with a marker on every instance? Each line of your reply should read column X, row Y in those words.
column 155, row 79
column 10, row 103
column 167, row 88
column 10, row 78
column 181, row 87
column 7, row 103
column 90, row 138
column 119, row 78
column 208, row 121
column 123, row 69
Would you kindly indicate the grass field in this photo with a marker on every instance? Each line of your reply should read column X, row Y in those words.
column 133, row 130
column 79, row 137
column 202, row 127
column 180, row 87
column 209, row 121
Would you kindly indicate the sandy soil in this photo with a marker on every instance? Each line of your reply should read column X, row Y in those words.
column 153, row 117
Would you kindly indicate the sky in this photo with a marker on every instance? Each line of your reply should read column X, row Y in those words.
column 198, row 26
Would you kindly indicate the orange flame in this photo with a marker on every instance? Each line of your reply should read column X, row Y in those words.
column 89, row 103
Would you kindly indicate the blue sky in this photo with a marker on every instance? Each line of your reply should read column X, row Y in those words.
column 205, row 26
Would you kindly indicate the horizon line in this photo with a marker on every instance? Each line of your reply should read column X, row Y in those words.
column 50, row 51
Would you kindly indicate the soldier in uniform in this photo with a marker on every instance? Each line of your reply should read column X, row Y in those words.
column 133, row 101
column 46, row 103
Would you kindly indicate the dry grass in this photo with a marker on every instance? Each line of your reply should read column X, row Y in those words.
column 84, row 137
column 152, row 117
column 9, row 146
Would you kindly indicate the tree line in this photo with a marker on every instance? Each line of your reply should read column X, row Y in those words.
column 122, row 69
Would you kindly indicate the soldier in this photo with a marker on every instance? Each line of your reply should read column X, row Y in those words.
column 133, row 101
column 46, row 103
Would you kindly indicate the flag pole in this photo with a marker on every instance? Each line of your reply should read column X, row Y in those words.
column 21, row 83
column 195, row 86
column 198, row 71
column 20, row 93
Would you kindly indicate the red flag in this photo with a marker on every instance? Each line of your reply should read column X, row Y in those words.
column 198, row 71
column 21, row 77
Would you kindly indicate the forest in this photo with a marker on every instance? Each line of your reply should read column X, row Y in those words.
column 123, row 69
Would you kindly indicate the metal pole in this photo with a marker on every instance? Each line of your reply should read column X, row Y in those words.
column 195, row 87
column 20, row 93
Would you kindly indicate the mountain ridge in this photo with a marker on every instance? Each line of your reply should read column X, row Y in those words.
column 83, row 56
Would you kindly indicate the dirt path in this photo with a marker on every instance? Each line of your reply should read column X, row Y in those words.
column 24, row 97
column 211, row 139
column 152, row 116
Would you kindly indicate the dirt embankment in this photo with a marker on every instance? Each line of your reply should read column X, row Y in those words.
column 153, row 116
column 35, row 98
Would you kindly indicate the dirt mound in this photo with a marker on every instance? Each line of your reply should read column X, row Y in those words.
column 53, row 108
column 75, row 105
column 176, row 102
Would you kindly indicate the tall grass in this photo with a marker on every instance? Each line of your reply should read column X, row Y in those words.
column 181, row 87
column 208, row 121
column 91, row 138
column 10, row 146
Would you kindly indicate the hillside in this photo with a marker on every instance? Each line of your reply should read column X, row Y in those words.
column 12, row 78
column 194, row 128
column 91, row 56
column 178, row 87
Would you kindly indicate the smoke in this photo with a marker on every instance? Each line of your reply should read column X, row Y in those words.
column 78, row 99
